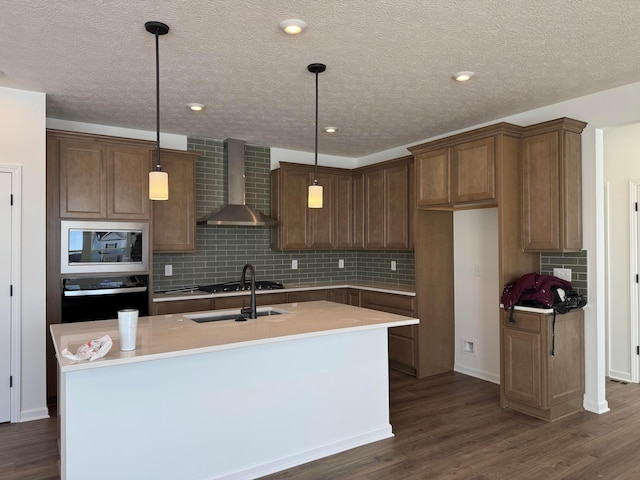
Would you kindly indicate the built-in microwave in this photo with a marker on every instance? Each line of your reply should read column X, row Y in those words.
column 103, row 246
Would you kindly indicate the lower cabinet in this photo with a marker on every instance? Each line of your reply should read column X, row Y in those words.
column 403, row 345
column 182, row 306
column 542, row 367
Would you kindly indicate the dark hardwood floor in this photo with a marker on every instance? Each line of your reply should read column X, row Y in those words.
column 446, row 427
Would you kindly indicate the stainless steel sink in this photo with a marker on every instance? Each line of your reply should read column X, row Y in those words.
column 237, row 316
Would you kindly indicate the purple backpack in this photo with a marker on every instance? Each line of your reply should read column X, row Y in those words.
column 533, row 290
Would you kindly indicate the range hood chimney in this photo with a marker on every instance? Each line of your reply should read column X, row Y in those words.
column 236, row 212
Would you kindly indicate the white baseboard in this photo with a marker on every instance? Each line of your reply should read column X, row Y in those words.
column 595, row 407
column 306, row 456
column 617, row 375
column 472, row 372
column 34, row 414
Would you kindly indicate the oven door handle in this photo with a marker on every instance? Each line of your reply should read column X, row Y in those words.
column 103, row 291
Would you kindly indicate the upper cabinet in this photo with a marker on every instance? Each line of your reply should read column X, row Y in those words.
column 456, row 175
column 101, row 179
column 433, row 174
column 387, row 204
column 367, row 208
column 552, row 186
column 474, row 171
column 303, row 228
column 107, row 178
column 174, row 220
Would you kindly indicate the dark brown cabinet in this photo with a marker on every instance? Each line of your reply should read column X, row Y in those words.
column 403, row 345
column 456, row 175
column 474, row 171
column 552, row 187
column 102, row 179
column 542, row 365
column 433, row 175
column 387, row 205
column 303, row 228
column 182, row 306
column 174, row 220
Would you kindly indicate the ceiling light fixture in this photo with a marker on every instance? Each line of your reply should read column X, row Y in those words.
column 331, row 129
column 315, row 190
column 293, row 26
column 196, row 107
column 463, row 76
column 158, row 180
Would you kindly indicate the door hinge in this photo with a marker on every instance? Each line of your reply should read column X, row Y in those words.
column 638, row 350
column 10, row 381
column 636, row 278
column 11, row 200
column 11, row 290
column 636, row 206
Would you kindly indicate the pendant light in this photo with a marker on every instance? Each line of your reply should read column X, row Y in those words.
column 158, row 180
column 315, row 190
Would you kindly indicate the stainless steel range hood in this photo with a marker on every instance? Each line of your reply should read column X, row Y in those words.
column 236, row 212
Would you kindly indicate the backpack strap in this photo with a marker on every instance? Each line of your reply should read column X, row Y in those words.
column 512, row 320
column 553, row 334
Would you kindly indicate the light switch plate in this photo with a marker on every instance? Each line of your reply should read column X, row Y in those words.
column 341, row 263
column 168, row 270
column 563, row 273
column 294, row 264
column 393, row 265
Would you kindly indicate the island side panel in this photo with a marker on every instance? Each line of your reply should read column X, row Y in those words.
column 242, row 412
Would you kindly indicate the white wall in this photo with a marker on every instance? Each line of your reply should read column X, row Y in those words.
column 475, row 239
column 22, row 142
column 621, row 165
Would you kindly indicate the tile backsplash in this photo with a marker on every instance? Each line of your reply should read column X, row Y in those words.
column 577, row 262
column 222, row 251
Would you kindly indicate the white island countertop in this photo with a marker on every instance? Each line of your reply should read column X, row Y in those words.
column 166, row 336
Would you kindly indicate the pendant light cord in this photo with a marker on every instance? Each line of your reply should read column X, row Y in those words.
column 158, row 166
column 315, row 171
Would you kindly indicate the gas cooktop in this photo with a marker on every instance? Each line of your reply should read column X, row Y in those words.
column 236, row 287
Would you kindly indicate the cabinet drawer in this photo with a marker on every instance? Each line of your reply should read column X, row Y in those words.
column 406, row 331
column 308, row 296
column 180, row 306
column 401, row 350
column 387, row 302
column 526, row 321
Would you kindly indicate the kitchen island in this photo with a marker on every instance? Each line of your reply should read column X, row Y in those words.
column 224, row 399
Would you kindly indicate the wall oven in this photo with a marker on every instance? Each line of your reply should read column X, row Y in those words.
column 103, row 247
column 100, row 298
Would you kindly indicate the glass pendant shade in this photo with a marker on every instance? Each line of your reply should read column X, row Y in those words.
column 315, row 196
column 158, row 185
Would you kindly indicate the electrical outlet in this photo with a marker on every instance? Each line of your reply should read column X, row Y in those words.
column 393, row 265
column 563, row 273
column 469, row 346
column 341, row 263
column 168, row 270
column 294, row 264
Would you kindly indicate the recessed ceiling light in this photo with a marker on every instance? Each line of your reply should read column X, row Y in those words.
column 331, row 129
column 293, row 26
column 196, row 107
column 463, row 76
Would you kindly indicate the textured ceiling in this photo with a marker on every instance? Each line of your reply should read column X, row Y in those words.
column 389, row 64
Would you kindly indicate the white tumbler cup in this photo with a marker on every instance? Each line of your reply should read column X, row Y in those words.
column 128, row 325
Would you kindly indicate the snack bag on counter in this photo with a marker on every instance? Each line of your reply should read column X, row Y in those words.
column 91, row 350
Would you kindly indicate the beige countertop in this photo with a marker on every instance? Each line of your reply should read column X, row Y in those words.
column 165, row 336
column 289, row 287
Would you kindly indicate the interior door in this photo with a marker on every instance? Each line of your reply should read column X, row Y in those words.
column 5, row 299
